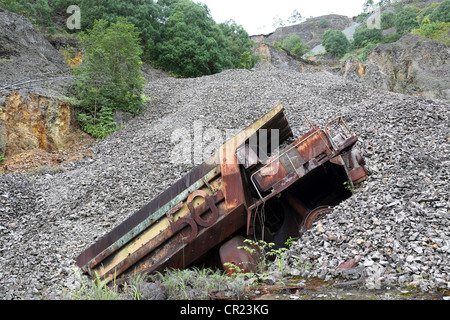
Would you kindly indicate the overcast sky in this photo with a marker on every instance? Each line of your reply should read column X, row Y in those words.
column 256, row 16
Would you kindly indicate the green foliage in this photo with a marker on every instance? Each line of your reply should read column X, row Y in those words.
column 236, row 41
column 324, row 23
column 290, row 42
column 437, row 31
column 177, row 35
column 94, row 290
column 37, row 11
column 144, row 14
column 441, row 13
column 247, row 60
column 266, row 252
column 335, row 42
column 362, row 17
column 109, row 78
column 99, row 125
column 194, row 283
column 193, row 44
column 364, row 36
column 387, row 20
column 406, row 20
column 389, row 38
column 300, row 49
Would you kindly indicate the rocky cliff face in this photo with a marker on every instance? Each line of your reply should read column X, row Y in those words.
column 33, row 117
column 310, row 32
column 35, row 122
column 26, row 55
column 412, row 65
column 271, row 58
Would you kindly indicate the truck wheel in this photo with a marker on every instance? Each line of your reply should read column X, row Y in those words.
column 313, row 216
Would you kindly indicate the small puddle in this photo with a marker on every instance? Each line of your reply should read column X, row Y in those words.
column 316, row 289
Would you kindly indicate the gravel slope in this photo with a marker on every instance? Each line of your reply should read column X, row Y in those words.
column 398, row 222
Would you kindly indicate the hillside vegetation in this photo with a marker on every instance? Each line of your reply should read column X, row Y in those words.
column 430, row 20
column 178, row 36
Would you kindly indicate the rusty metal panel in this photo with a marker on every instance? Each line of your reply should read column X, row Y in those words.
column 296, row 158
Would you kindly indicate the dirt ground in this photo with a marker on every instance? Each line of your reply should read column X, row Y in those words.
column 39, row 161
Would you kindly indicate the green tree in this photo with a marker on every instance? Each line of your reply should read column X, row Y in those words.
column 237, row 41
column 406, row 20
column 335, row 42
column 363, row 36
column 368, row 5
column 294, row 45
column 441, row 13
column 192, row 44
column 110, row 76
column 387, row 20
column 437, row 31
column 144, row 14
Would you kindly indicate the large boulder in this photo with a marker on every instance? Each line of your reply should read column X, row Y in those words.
column 412, row 65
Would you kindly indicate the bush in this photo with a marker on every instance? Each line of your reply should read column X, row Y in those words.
column 363, row 36
column 300, row 49
column 110, row 76
column 387, row 20
column 335, row 42
column 441, row 13
column 247, row 60
column 406, row 20
column 324, row 23
column 437, row 31
column 38, row 11
column 294, row 45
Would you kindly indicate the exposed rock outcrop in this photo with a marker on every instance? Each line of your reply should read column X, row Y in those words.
column 412, row 65
column 310, row 31
column 25, row 54
column 271, row 58
column 33, row 78
column 35, row 122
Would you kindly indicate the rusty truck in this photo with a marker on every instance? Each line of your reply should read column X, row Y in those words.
column 243, row 191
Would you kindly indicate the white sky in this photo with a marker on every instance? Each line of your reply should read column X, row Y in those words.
column 256, row 16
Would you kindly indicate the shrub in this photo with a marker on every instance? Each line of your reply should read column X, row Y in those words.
column 110, row 76
column 437, row 31
column 406, row 20
column 38, row 11
column 335, row 42
column 294, row 45
column 387, row 20
column 300, row 49
column 324, row 23
column 442, row 12
column 247, row 60
column 363, row 36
